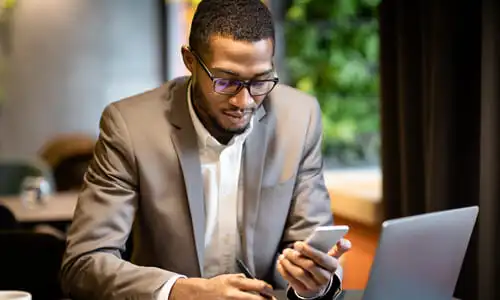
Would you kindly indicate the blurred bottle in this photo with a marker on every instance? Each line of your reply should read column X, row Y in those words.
column 35, row 192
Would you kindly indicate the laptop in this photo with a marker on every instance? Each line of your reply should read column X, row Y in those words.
column 420, row 257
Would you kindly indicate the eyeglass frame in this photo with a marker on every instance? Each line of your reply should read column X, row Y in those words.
column 242, row 83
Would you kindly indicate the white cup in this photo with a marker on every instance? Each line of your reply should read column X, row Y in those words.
column 14, row 295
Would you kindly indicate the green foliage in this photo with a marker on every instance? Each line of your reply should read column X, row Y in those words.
column 332, row 53
column 6, row 9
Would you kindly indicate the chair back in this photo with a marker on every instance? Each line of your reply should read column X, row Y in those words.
column 7, row 219
column 31, row 262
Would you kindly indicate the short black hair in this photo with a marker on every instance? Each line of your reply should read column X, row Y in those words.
column 241, row 20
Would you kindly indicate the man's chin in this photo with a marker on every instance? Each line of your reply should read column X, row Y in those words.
column 224, row 126
column 232, row 129
column 236, row 130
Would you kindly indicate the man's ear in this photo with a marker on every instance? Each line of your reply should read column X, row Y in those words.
column 188, row 58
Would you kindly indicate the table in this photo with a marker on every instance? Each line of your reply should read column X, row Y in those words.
column 345, row 295
column 59, row 208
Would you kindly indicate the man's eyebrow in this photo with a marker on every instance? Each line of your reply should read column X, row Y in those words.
column 229, row 72
column 232, row 73
column 264, row 73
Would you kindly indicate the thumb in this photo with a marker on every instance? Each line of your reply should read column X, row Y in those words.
column 340, row 248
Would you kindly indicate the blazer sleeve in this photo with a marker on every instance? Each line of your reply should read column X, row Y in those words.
column 92, row 267
column 311, row 201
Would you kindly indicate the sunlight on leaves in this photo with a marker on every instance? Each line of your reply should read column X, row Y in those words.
column 332, row 49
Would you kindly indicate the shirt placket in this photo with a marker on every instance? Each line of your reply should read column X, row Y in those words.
column 227, row 210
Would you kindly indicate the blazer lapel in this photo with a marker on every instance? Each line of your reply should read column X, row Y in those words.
column 185, row 143
column 254, row 156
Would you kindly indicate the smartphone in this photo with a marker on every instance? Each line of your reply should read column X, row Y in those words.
column 324, row 238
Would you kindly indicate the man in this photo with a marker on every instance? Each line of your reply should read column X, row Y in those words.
column 222, row 166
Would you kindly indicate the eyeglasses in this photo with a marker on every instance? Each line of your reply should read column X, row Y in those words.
column 225, row 86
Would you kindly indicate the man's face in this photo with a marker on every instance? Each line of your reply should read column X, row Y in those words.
column 229, row 62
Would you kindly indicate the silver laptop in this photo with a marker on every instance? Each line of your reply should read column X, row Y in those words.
column 420, row 257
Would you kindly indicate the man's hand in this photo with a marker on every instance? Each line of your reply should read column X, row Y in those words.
column 307, row 270
column 223, row 287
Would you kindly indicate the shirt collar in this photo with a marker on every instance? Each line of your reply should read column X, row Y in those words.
column 205, row 139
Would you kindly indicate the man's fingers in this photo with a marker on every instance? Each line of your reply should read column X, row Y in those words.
column 252, row 285
column 298, row 286
column 340, row 248
column 320, row 275
column 324, row 260
column 242, row 295
column 298, row 273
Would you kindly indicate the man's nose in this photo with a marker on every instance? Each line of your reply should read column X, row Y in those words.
column 242, row 100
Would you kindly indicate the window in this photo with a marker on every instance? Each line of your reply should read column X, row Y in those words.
column 332, row 52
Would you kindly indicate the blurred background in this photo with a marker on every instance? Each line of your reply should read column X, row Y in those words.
column 408, row 90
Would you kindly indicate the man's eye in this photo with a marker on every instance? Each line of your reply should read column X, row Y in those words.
column 226, row 85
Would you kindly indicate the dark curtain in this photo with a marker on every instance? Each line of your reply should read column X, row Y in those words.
column 440, row 104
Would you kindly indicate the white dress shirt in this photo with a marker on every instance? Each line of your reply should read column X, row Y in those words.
column 220, row 167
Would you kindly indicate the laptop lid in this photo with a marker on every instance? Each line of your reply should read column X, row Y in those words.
column 420, row 257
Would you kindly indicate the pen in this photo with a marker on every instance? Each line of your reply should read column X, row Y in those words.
column 249, row 274
column 244, row 268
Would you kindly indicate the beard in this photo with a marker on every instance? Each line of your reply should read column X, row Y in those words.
column 229, row 131
column 200, row 104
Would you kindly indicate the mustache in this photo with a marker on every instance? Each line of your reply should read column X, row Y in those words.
column 244, row 111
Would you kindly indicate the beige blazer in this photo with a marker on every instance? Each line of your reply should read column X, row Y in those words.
column 146, row 175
